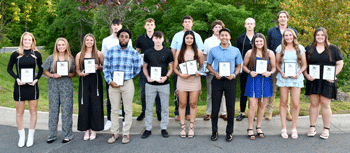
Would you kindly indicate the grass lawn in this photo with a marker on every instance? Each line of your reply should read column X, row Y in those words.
column 7, row 83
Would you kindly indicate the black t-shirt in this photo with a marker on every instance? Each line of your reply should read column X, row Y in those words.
column 144, row 43
column 161, row 58
column 323, row 58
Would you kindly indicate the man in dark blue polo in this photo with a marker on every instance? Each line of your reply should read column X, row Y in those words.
column 274, row 39
column 224, row 84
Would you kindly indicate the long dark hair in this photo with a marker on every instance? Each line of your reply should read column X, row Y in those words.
column 265, row 53
column 181, row 57
column 326, row 43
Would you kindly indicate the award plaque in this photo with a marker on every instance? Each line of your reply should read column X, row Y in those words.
column 62, row 68
column 261, row 66
column 89, row 65
column 224, row 68
column 183, row 68
column 290, row 69
column 329, row 72
column 118, row 77
column 203, row 68
column 27, row 75
column 191, row 67
column 156, row 73
column 314, row 71
column 142, row 60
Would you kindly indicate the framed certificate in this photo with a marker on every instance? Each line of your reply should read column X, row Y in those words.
column 191, row 67
column 89, row 65
column 156, row 73
column 62, row 68
column 261, row 66
column 328, row 72
column 183, row 68
column 118, row 77
column 314, row 71
column 290, row 69
column 142, row 55
column 27, row 75
column 224, row 68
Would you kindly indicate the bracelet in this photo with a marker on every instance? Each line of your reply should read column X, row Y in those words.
column 249, row 72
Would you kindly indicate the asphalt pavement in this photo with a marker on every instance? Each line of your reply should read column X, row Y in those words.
column 338, row 141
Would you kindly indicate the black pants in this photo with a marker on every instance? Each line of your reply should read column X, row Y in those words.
column 109, row 105
column 243, row 82
column 218, row 87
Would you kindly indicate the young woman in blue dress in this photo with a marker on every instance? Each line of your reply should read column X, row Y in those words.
column 259, row 86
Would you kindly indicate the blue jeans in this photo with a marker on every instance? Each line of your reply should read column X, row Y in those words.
column 142, row 82
column 177, row 103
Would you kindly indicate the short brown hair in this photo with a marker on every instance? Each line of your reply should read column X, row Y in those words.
column 217, row 22
column 283, row 11
column 187, row 17
column 150, row 20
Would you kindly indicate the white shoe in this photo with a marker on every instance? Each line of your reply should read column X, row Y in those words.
column 108, row 125
column 22, row 138
column 124, row 123
column 30, row 140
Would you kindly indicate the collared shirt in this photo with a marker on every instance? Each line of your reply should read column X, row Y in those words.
column 110, row 42
column 144, row 43
column 178, row 37
column 244, row 44
column 219, row 54
column 274, row 38
column 117, row 59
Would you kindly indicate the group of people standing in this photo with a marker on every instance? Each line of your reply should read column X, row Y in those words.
column 280, row 47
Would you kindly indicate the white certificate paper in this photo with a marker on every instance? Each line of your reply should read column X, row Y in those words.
column 191, row 67
column 118, row 77
column 62, row 68
column 261, row 66
column 328, row 72
column 314, row 71
column 89, row 65
column 156, row 73
column 183, row 68
column 142, row 55
column 27, row 75
column 290, row 69
column 224, row 68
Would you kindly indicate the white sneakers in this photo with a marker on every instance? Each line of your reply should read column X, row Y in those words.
column 22, row 138
column 108, row 125
column 30, row 140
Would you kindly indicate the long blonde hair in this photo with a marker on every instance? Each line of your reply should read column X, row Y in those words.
column 20, row 49
column 68, row 56
column 93, row 52
column 295, row 45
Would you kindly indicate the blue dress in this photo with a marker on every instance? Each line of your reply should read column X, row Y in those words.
column 259, row 86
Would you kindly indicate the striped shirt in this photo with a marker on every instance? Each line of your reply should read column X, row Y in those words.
column 117, row 59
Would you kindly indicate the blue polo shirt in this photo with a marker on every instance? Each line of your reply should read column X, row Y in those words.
column 274, row 38
column 218, row 54
column 178, row 37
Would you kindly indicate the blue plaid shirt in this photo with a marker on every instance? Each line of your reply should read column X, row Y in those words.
column 274, row 38
column 117, row 59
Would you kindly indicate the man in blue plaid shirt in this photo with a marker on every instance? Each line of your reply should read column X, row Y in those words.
column 126, row 59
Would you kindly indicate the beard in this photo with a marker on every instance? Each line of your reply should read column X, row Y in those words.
column 123, row 45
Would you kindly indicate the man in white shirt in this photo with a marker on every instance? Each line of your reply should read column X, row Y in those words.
column 209, row 43
column 108, row 43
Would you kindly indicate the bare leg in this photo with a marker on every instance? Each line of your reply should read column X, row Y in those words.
column 326, row 113
column 295, row 98
column 283, row 105
column 193, row 104
column 251, row 114
column 19, row 114
column 260, row 114
column 33, row 109
column 182, row 105
column 314, row 110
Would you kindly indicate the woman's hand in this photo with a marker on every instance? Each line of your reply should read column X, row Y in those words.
column 19, row 82
column 83, row 74
column 55, row 76
column 185, row 76
column 253, row 74
column 283, row 75
column 34, row 82
column 267, row 74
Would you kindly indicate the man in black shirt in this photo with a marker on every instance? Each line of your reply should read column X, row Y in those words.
column 143, row 43
column 244, row 43
column 157, row 57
